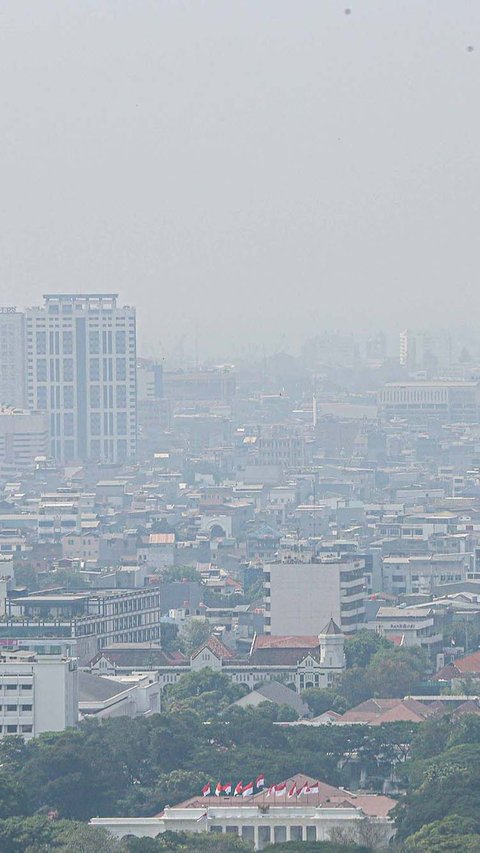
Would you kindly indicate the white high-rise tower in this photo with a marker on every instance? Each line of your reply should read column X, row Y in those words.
column 81, row 369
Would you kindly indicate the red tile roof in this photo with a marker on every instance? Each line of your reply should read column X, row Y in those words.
column 374, row 805
column 468, row 665
column 216, row 646
column 273, row 642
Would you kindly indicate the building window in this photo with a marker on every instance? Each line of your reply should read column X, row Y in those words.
column 67, row 343
column 121, row 396
column 94, row 369
column 94, row 342
column 95, row 423
column 68, row 396
column 41, row 343
column 95, row 396
column 121, row 369
column 120, row 341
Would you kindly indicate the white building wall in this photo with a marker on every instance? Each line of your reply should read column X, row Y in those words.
column 38, row 696
column 302, row 597
column 23, row 436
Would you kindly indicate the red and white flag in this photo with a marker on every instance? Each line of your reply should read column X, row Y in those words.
column 271, row 790
column 314, row 788
column 248, row 790
column 227, row 789
column 281, row 789
column 303, row 790
column 260, row 781
column 206, row 790
column 218, row 789
column 292, row 792
column 238, row 790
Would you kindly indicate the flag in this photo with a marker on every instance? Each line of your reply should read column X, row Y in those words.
column 292, row 792
column 218, row 789
column 260, row 781
column 227, row 789
column 238, row 790
column 303, row 790
column 201, row 817
column 248, row 790
column 281, row 789
column 314, row 788
column 271, row 790
column 206, row 791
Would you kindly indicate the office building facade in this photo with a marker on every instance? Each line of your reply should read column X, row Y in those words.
column 300, row 597
column 12, row 357
column 23, row 437
column 81, row 370
column 37, row 694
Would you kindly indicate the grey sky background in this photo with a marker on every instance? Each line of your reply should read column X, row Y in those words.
column 258, row 170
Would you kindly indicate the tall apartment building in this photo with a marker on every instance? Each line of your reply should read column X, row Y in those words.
column 81, row 370
column 12, row 357
column 37, row 694
column 300, row 597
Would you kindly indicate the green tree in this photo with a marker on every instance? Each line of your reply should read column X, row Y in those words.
column 452, row 834
column 206, row 691
column 25, row 575
column 180, row 573
column 360, row 648
column 448, row 783
column 40, row 834
column 320, row 700
column 396, row 671
column 354, row 686
column 196, row 632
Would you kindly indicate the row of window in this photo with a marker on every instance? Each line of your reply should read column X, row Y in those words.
column 24, row 709
column 12, row 729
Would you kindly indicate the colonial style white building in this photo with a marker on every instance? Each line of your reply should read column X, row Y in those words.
column 301, row 662
column 262, row 819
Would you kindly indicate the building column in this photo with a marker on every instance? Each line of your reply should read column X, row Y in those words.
column 289, row 832
column 255, row 837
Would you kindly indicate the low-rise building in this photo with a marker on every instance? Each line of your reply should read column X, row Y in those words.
column 261, row 819
column 23, row 436
column 301, row 662
column 37, row 693
column 411, row 626
column 96, row 618
column 134, row 695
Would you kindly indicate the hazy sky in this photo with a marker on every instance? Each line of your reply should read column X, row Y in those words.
column 261, row 170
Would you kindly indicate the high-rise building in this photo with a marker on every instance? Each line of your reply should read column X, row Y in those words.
column 301, row 596
column 425, row 350
column 12, row 357
column 81, row 370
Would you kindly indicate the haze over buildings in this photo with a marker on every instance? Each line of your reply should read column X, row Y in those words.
column 245, row 175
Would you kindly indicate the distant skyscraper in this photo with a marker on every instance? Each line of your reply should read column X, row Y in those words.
column 12, row 357
column 425, row 350
column 81, row 369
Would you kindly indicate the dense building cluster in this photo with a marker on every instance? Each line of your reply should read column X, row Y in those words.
column 161, row 520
